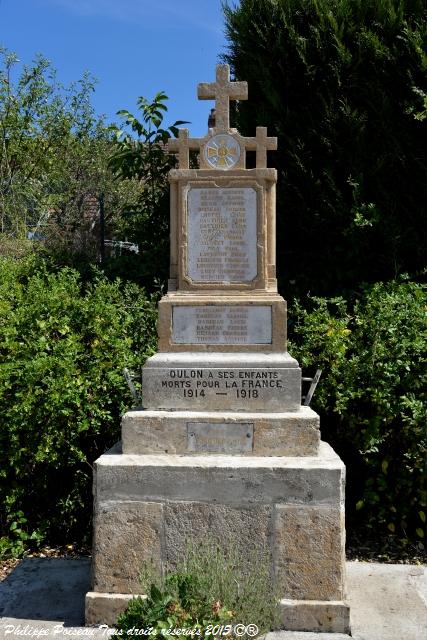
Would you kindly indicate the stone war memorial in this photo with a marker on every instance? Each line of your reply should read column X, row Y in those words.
column 222, row 446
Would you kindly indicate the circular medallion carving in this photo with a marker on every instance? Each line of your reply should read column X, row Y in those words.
column 222, row 151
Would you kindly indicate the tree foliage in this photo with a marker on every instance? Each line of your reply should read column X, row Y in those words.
column 54, row 155
column 343, row 84
column 143, row 158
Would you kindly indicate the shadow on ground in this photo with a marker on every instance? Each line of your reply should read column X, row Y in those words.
column 49, row 589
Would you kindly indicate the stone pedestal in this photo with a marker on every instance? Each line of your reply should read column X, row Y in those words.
column 222, row 446
column 148, row 505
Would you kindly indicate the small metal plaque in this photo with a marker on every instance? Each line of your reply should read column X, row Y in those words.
column 220, row 437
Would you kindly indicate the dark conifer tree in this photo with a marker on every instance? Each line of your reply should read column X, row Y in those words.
column 343, row 84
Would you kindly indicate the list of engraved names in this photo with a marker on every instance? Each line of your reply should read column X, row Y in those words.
column 222, row 234
column 218, row 324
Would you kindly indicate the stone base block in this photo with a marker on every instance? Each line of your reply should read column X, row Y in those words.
column 327, row 617
column 105, row 608
column 148, row 508
column 314, row 615
column 260, row 382
column 332, row 617
column 241, row 433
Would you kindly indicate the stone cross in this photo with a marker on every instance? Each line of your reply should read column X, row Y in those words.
column 183, row 144
column 261, row 144
column 222, row 91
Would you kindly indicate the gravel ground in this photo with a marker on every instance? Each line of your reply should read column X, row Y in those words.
column 387, row 550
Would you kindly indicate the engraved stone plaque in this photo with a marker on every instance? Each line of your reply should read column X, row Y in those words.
column 211, row 389
column 220, row 437
column 222, row 234
column 220, row 324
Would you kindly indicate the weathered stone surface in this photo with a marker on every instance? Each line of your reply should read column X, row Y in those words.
column 222, row 91
column 309, row 551
column 303, row 615
column 127, row 535
column 248, row 530
column 105, row 608
column 228, row 480
column 291, row 434
column 274, row 434
column 229, row 381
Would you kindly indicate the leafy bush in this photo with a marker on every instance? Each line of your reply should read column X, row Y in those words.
column 210, row 587
column 372, row 397
column 62, row 348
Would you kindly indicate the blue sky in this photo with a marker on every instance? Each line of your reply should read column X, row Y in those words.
column 133, row 48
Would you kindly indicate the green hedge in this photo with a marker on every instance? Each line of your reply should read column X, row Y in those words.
column 63, row 345
column 372, row 397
